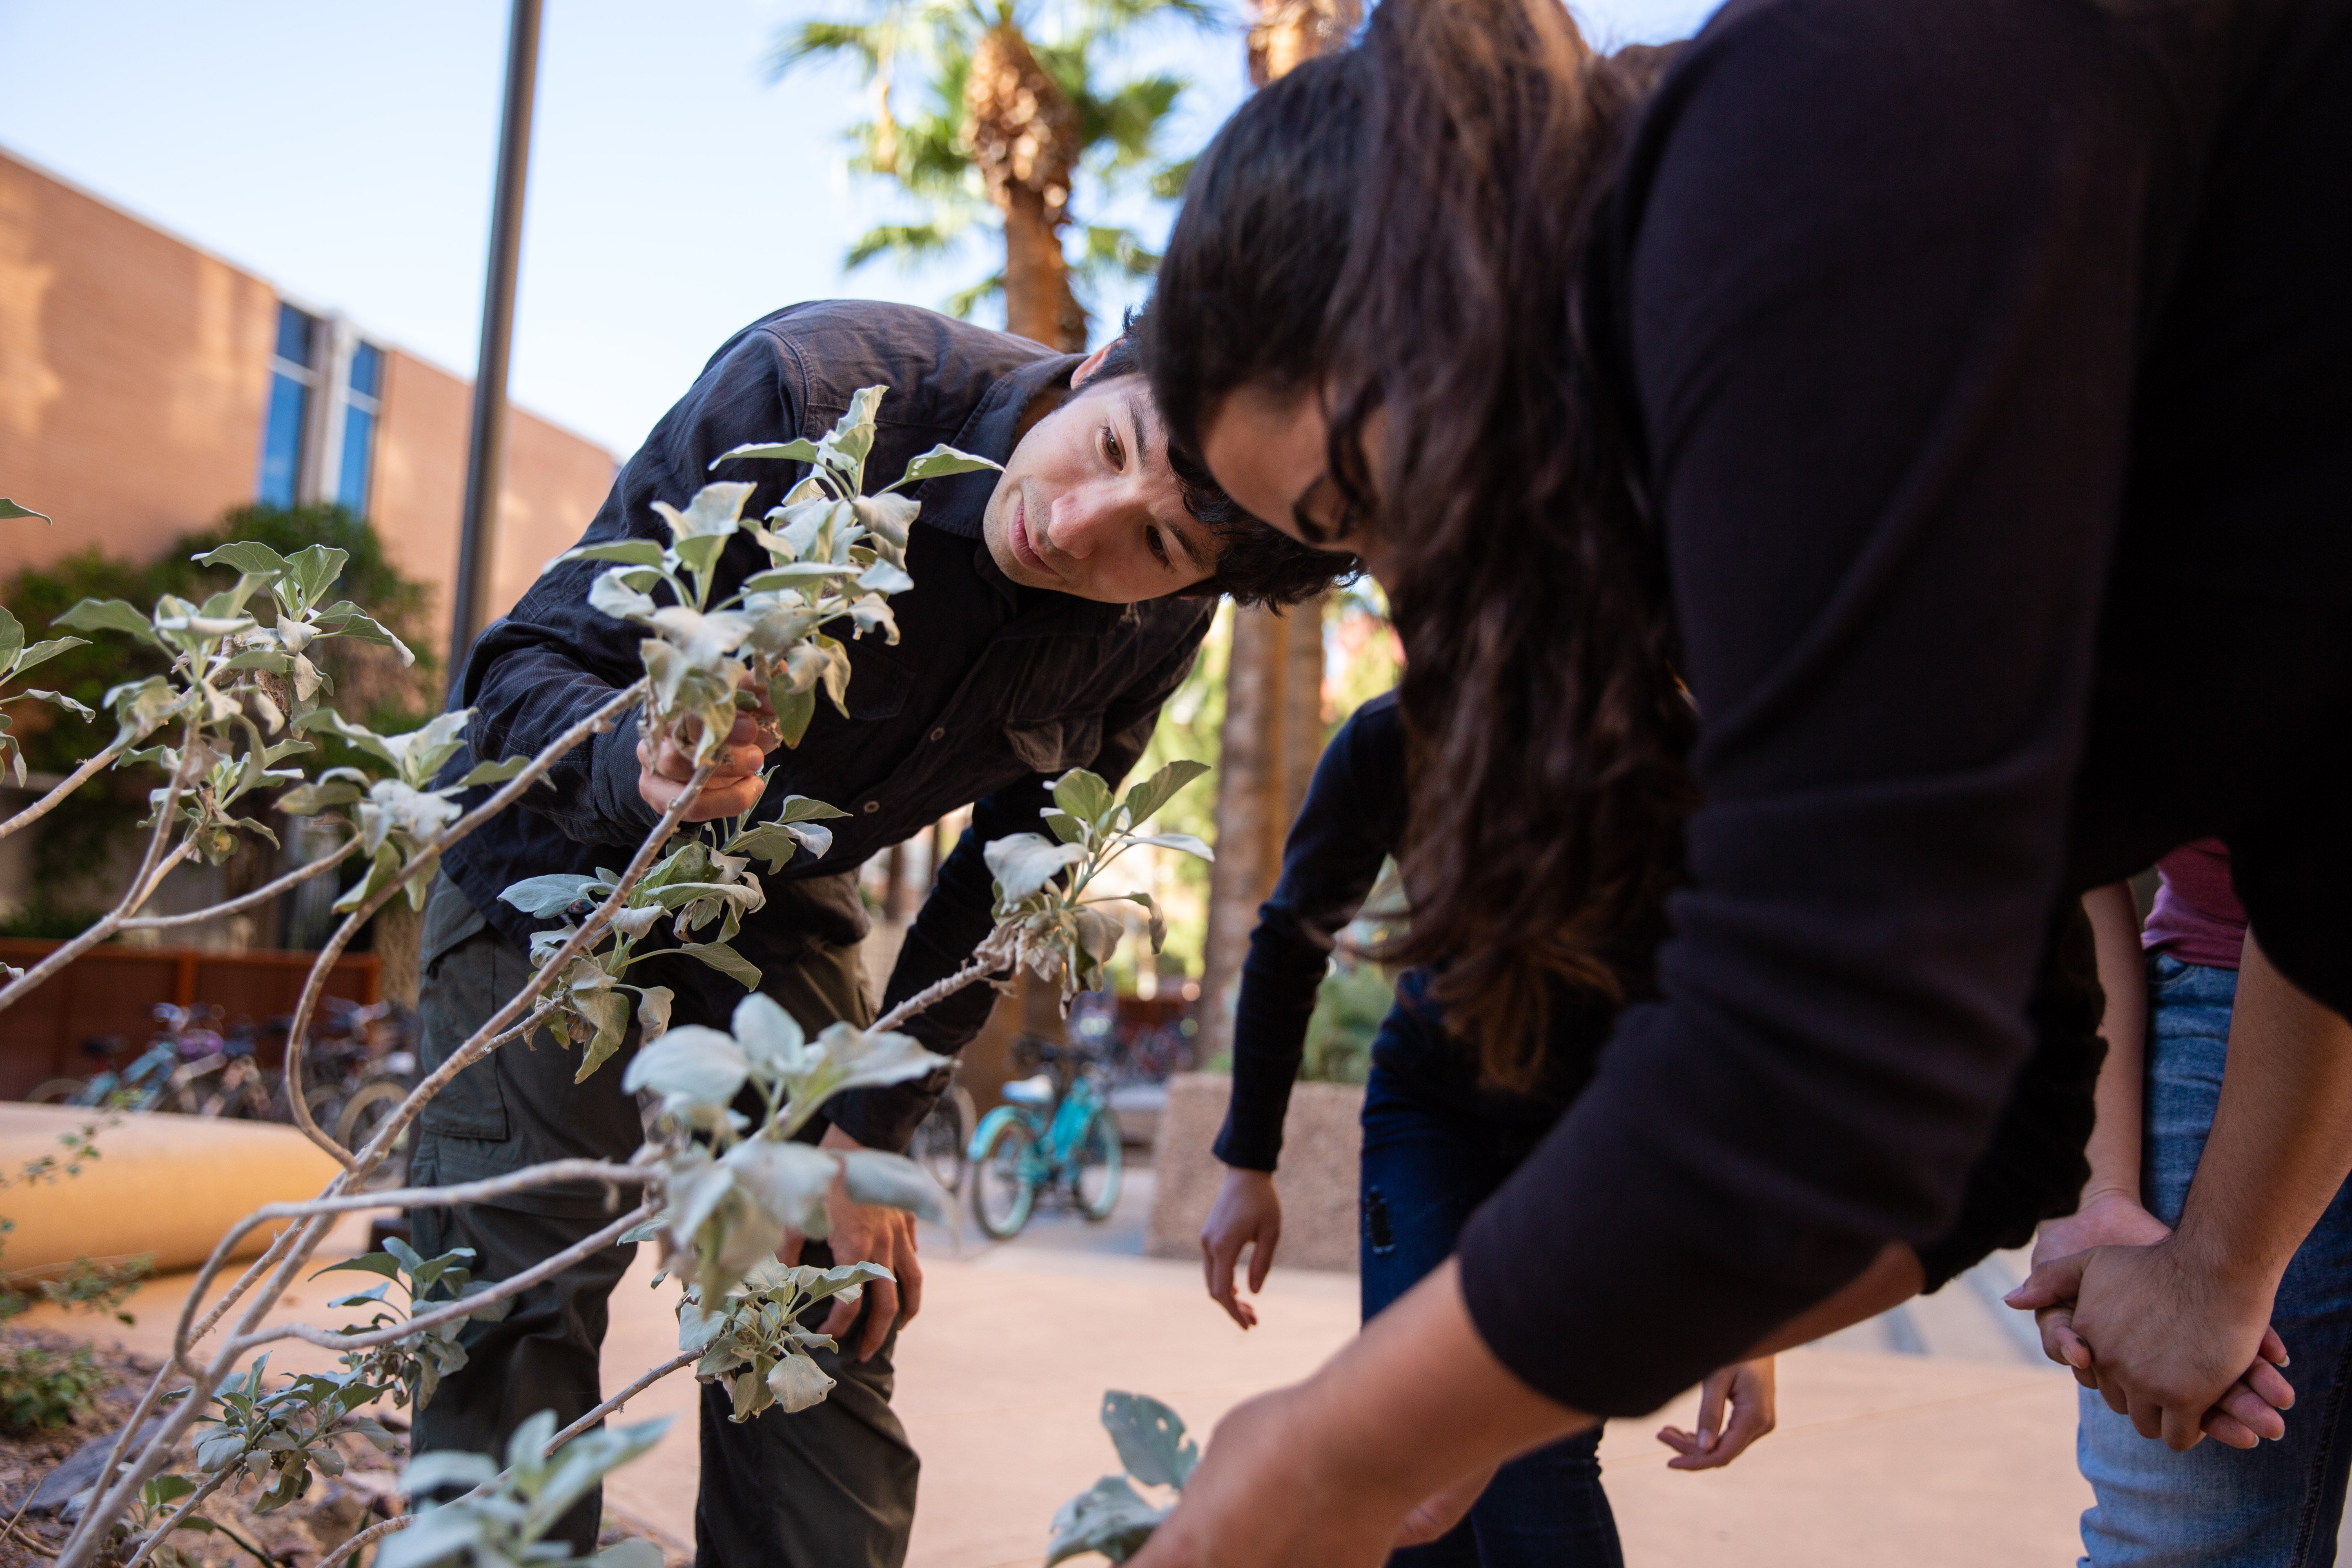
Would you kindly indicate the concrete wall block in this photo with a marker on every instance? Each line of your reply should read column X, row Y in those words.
column 1321, row 1143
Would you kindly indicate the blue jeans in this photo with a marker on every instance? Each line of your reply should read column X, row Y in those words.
column 2276, row 1506
column 1424, row 1170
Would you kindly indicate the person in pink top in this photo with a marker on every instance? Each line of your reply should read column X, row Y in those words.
column 2181, row 990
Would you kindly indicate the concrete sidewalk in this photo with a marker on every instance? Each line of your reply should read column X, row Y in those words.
column 1926, row 1439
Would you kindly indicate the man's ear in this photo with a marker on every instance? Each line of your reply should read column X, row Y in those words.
column 1092, row 362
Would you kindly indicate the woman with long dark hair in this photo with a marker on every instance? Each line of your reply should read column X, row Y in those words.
column 1899, row 381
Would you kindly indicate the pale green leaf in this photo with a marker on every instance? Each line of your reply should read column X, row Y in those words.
column 940, row 461
column 799, row 451
column 109, row 616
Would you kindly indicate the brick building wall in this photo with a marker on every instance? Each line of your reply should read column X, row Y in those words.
column 135, row 377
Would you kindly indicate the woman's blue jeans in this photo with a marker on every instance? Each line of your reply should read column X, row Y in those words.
column 1424, row 1170
column 2276, row 1506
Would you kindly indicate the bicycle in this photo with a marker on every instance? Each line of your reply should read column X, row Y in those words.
column 1048, row 1139
column 135, row 1088
column 366, row 1072
column 161, row 1079
column 942, row 1142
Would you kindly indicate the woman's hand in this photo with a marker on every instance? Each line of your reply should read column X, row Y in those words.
column 1391, row 1436
column 734, row 786
column 1247, row 1213
column 1748, row 1387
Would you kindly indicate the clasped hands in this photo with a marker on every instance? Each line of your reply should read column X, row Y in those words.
column 2166, row 1331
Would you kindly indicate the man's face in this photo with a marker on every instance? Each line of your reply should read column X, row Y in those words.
column 1087, row 504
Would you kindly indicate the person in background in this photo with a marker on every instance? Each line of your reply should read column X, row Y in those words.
column 2172, row 993
column 1438, row 1139
column 1915, row 375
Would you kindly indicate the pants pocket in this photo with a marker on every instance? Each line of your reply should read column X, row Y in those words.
column 459, row 990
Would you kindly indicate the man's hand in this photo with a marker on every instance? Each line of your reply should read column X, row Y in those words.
column 2186, row 1352
column 1749, row 1387
column 2109, row 1218
column 866, row 1233
column 733, row 787
column 1247, row 1213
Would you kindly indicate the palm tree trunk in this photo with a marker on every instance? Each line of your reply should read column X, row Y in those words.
column 1023, row 134
column 1039, row 303
column 1274, row 682
column 1267, row 749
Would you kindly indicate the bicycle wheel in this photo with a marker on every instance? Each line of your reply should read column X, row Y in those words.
column 1004, row 1181
column 56, row 1092
column 1095, row 1166
column 363, row 1114
column 945, row 1134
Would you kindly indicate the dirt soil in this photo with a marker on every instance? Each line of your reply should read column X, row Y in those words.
column 334, row 1510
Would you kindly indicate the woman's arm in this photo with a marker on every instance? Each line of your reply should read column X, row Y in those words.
column 1350, row 822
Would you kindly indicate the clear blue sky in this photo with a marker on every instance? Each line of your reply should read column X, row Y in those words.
column 344, row 152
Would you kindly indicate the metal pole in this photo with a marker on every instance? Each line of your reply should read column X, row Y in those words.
column 486, row 458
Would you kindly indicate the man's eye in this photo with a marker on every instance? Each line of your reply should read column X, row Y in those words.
column 1159, row 547
column 1111, row 449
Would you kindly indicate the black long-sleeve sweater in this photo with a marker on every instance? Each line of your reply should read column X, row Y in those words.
column 1989, row 361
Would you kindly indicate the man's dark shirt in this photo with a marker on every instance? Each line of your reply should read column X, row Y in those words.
column 993, row 690
column 1989, row 361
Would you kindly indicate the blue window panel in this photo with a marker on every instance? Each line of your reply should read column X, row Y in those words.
column 358, row 454
column 281, row 441
column 367, row 371
column 296, row 334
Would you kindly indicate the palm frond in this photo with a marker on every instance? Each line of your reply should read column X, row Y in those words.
column 1128, row 118
column 1168, row 179
column 964, row 301
column 821, row 40
column 904, row 242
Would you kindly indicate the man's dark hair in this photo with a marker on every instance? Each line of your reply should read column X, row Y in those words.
column 1255, row 565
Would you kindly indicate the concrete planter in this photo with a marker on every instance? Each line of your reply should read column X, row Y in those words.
column 1321, row 1143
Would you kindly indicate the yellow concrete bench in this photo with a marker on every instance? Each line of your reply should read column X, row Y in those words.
column 162, row 1185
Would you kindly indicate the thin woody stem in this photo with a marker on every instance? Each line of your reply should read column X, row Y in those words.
column 456, row 1312
column 930, row 996
column 261, row 895
column 298, row 1033
column 152, row 868
column 366, row 1539
column 682, row 1360
column 178, row 1517
column 73, row 781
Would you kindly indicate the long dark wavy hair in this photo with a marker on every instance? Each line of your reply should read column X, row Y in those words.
column 1401, row 228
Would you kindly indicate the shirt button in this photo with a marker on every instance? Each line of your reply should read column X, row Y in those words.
column 940, row 734
column 872, row 806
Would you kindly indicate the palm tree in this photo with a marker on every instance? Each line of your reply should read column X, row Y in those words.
column 1011, row 118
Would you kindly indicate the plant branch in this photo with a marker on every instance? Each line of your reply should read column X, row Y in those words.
column 366, row 1539
column 930, row 996
column 152, row 868
column 261, row 895
column 456, row 1312
column 298, row 1033
column 116, row 1499
column 677, row 1363
column 178, row 1517
column 73, row 781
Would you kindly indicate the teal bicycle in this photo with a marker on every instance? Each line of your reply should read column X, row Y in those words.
column 1055, row 1135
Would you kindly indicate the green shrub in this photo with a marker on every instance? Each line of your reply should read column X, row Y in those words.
column 41, row 1387
column 1348, row 1006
